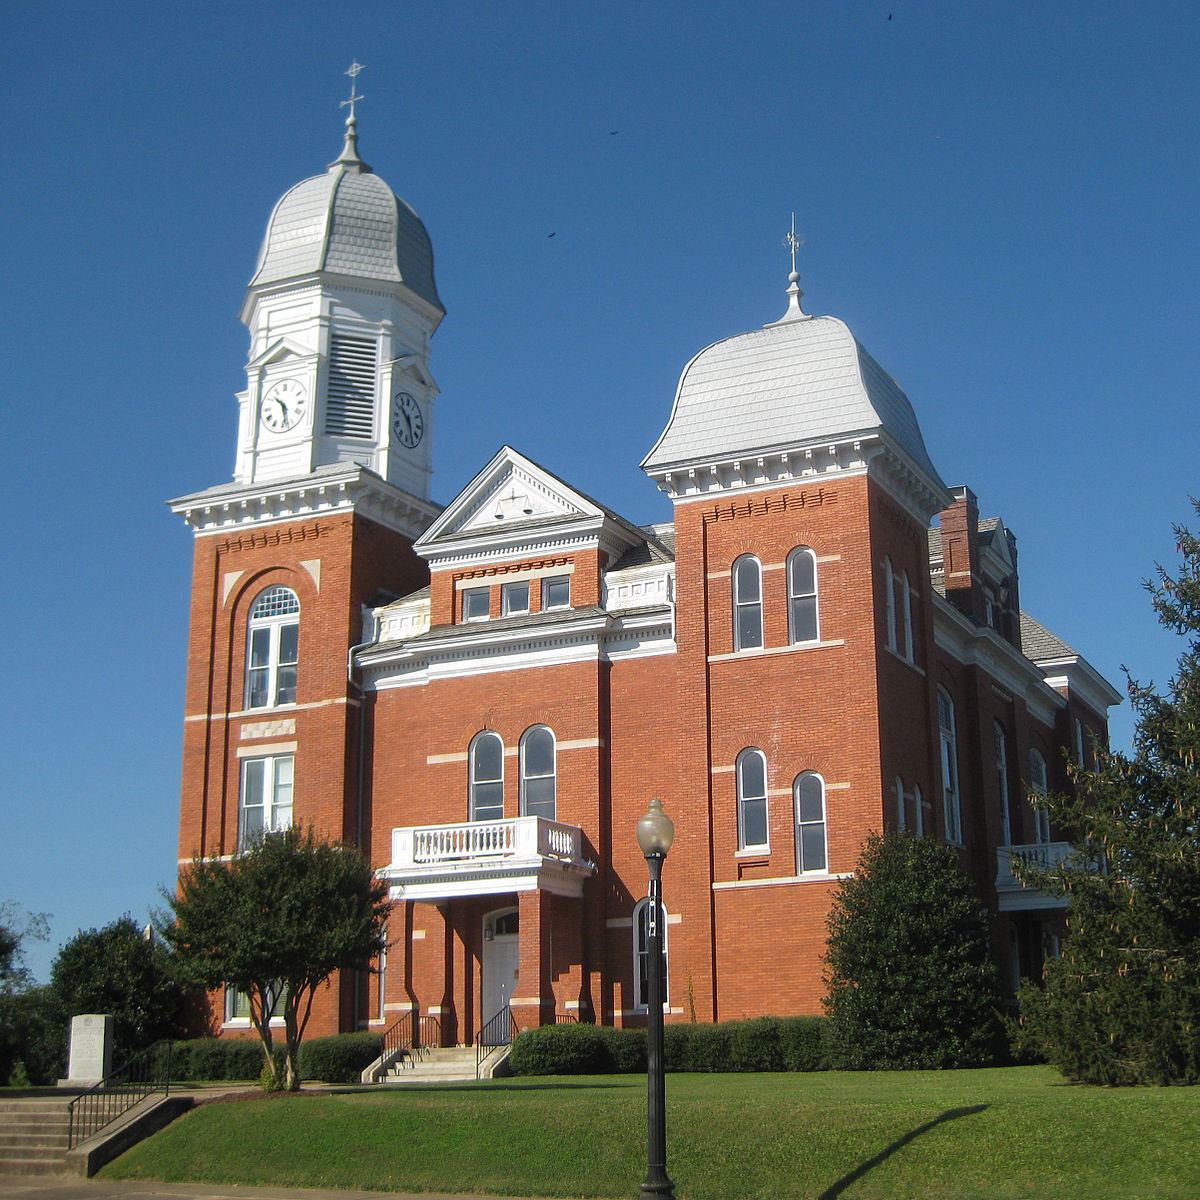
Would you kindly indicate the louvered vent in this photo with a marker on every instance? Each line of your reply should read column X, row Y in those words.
column 350, row 411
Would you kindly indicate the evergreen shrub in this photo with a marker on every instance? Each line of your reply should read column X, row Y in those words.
column 341, row 1058
column 218, row 1058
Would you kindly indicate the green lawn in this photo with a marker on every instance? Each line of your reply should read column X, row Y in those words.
column 1016, row 1132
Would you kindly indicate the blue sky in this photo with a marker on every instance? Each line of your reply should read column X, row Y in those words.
column 999, row 199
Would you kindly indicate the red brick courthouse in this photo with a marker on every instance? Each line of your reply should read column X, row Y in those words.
column 825, row 641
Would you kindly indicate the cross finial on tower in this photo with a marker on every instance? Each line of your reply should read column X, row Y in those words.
column 354, row 98
column 348, row 159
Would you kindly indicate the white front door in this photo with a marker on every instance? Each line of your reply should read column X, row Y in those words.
column 501, row 959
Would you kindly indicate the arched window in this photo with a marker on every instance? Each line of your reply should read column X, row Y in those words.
column 538, row 786
column 901, row 816
column 1002, row 784
column 948, row 740
column 906, row 612
column 747, row 603
column 1080, row 743
column 802, row 596
column 752, row 800
column 487, row 777
column 641, row 953
column 1039, row 785
column 918, row 806
column 273, row 649
column 811, row 852
column 889, row 591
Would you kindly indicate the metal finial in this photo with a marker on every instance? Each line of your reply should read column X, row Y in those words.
column 793, row 242
column 354, row 98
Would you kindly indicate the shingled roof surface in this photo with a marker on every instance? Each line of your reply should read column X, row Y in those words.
column 1039, row 644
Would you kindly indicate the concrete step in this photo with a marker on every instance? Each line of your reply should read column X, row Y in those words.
column 8, row 1107
column 9, row 1121
column 51, row 1138
column 29, row 1151
column 31, row 1166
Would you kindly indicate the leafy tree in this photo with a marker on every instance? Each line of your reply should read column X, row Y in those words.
column 120, row 971
column 16, row 928
column 911, row 980
column 1122, row 1004
column 275, row 922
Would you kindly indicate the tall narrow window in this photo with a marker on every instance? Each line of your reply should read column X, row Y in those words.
column 273, row 650
column 802, row 595
column 266, row 800
column 1080, row 743
column 752, row 800
column 538, row 782
column 747, row 603
column 948, row 739
column 811, row 852
column 906, row 613
column 919, row 809
column 1002, row 784
column 901, row 816
column 350, row 409
column 641, row 953
column 487, row 777
column 1039, row 785
column 889, row 589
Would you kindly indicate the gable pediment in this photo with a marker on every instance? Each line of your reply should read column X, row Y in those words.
column 280, row 350
column 410, row 366
column 511, row 494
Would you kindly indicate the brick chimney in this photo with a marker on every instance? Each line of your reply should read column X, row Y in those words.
column 960, row 553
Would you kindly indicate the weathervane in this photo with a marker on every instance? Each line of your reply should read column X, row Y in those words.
column 355, row 67
column 793, row 242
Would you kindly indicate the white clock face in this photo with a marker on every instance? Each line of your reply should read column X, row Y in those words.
column 407, row 422
column 284, row 405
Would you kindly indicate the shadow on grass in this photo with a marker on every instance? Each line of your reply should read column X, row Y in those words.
column 836, row 1189
column 431, row 1089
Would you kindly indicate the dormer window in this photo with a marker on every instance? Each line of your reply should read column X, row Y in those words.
column 475, row 604
column 556, row 592
column 514, row 599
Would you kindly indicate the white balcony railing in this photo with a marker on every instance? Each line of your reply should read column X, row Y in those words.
column 1013, row 893
column 476, row 857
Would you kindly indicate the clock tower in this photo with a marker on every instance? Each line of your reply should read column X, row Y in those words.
column 341, row 310
column 330, row 490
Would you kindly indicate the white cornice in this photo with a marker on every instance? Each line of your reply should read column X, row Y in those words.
column 1081, row 682
column 980, row 646
column 590, row 638
column 872, row 451
column 344, row 488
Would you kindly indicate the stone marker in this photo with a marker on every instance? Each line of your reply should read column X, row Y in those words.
column 91, row 1050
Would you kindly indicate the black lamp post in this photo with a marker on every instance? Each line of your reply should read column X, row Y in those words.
column 655, row 833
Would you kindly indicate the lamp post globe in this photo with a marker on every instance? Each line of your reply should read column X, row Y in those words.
column 655, row 833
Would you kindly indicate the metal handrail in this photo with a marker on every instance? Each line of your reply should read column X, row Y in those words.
column 428, row 1035
column 142, row 1076
column 566, row 1019
column 397, row 1038
column 496, row 1033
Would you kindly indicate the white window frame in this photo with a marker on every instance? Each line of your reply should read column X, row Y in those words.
column 273, row 805
column 948, row 744
column 889, row 579
column 739, row 604
column 472, row 782
column 801, row 869
column 745, row 847
column 1001, row 739
column 507, row 591
column 906, row 612
column 793, row 596
column 552, row 776
column 487, row 607
column 273, row 626
column 918, row 803
column 565, row 580
column 1080, row 744
column 1039, row 785
column 641, row 983
column 232, row 996
column 902, row 822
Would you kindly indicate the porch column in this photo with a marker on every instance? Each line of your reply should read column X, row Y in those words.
column 533, row 1001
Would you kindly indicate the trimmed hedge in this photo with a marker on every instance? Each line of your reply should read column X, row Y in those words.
column 339, row 1059
column 218, row 1058
column 761, row 1044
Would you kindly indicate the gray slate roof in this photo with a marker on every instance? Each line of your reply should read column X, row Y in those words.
column 1039, row 644
column 797, row 383
column 348, row 222
column 987, row 525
